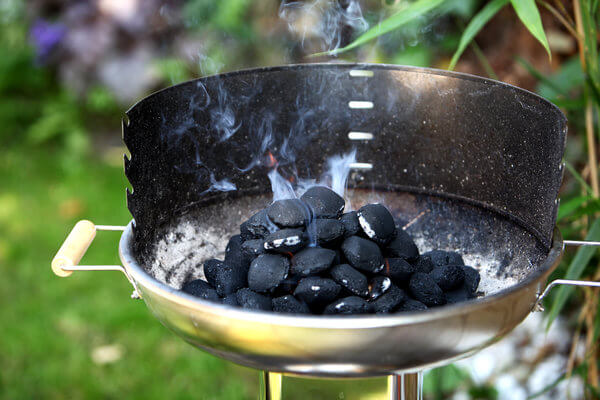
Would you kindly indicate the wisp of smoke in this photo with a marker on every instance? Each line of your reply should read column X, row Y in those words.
column 338, row 171
column 282, row 189
column 322, row 20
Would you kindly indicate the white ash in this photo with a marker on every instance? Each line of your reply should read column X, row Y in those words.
column 289, row 241
column 386, row 284
column 180, row 254
column 364, row 224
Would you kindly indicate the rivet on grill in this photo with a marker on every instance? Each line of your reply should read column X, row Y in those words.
column 360, row 104
column 360, row 136
column 361, row 72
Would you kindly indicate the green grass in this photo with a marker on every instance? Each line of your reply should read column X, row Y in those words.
column 49, row 326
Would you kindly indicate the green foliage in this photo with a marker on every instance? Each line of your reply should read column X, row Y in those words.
column 474, row 26
column 590, row 41
column 529, row 14
column 443, row 380
column 51, row 326
column 172, row 70
column 406, row 15
column 225, row 15
column 417, row 56
column 572, row 204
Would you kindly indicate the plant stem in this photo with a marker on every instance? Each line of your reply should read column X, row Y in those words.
column 560, row 18
column 591, row 297
column 589, row 111
column 483, row 60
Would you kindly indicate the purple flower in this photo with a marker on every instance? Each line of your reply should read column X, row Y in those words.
column 45, row 36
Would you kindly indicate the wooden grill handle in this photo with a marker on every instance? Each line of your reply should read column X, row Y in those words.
column 74, row 247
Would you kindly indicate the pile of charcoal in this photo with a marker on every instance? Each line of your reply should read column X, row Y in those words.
column 306, row 256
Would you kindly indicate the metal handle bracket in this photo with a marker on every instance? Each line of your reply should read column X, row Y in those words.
column 538, row 304
column 75, row 246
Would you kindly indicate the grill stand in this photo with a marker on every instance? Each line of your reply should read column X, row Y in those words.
column 399, row 387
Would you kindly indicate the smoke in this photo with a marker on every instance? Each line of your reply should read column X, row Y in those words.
column 222, row 185
column 328, row 23
column 282, row 189
column 339, row 169
column 335, row 177
column 217, row 140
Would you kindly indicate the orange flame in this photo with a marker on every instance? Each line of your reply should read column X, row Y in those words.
column 271, row 160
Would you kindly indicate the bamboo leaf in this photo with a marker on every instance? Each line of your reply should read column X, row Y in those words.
column 475, row 25
column 590, row 42
column 580, row 261
column 578, row 177
column 538, row 75
column 590, row 208
column 415, row 10
column 571, row 205
column 529, row 14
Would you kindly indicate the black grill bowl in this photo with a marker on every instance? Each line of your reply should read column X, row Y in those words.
column 474, row 163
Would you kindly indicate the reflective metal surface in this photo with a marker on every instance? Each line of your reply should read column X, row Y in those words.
column 340, row 346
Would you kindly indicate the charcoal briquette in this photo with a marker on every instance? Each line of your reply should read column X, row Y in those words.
column 234, row 255
column 211, row 268
column 402, row 246
column 257, row 226
column 287, row 286
column 231, row 300
column 363, row 254
column 202, row 289
column 472, row 278
column 389, row 301
column 248, row 299
column 348, row 305
column 424, row 288
column 351, row 279
column 253, row 248
column 351, row 224
column 267, row 271
column 290, row 305
column 339, row 257
column 378, row 286
column 448, row 277
column 327, row 231
column 441, row 257
column 411, row 305
column 288, row 213
column 324, row 202
column 423, row 264
column 398, row 269
column 225, row 278
column 312, row 260
column 285, row 241
column 317, row 292
column 458, row 295
column 377, row 223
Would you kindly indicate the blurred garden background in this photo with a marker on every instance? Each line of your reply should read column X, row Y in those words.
column 70, row 69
